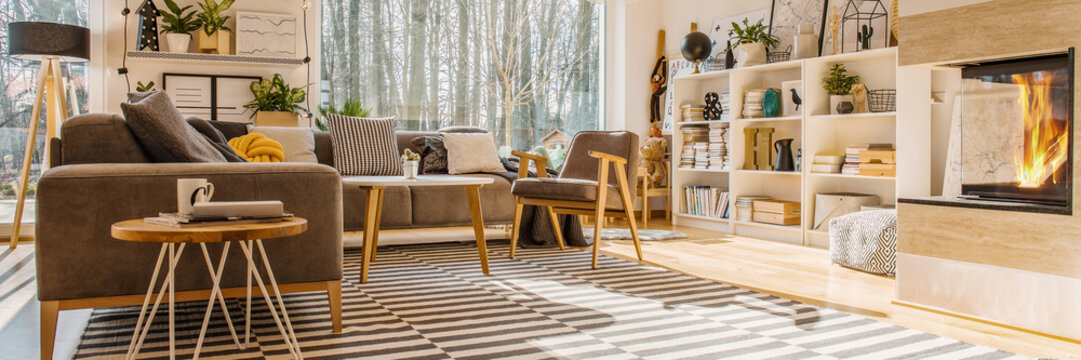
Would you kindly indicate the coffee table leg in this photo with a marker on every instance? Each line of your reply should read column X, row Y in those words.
column 478, row 224
column 247, row 320
column 294, row 349
column 215, row 294
column 168, row 284
column 146, row 301
column 278, row 294
column 370, row 228
column 378, row 222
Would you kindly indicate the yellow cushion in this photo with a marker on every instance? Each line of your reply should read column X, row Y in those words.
column 257, row 147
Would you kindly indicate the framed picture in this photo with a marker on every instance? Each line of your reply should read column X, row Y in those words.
column 267, row 35
column 791, row 98
column 212, row 97
column 676, row 68
column 721, row 26
column 787, row 15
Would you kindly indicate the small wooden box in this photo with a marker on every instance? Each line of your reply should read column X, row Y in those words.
column 776, row 206
column 777, row 219
column 878, row 169
column 883, row 156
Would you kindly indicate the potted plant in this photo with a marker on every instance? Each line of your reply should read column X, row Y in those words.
column 178, row 26
column 215, row 37
column 752, row 42
column 410, row 164
column 275, row 102
column 839, row 85
column 352, row 107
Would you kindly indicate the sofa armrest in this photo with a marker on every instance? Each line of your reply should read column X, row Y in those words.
column 77, row 204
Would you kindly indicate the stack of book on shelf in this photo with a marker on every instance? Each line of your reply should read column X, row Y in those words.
column 718, row 149
column 693, row 112
column 827, row 164
column 223, row 213
column 705, row 200
column 694, row 137
column 852, row 156
column 701, row 155
column 726, row 106
column 745, row 206
column 752, row 104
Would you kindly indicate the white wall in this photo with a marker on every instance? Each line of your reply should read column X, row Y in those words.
column 111, row 24
column 914, row 7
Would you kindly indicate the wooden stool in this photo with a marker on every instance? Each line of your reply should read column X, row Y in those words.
column 645, row 192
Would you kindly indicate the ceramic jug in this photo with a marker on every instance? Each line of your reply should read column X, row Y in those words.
column 784, row 155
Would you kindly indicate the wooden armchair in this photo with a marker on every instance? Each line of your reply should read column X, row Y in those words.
column 587, row 185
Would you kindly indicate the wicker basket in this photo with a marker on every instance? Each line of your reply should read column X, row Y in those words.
column 883, row 100
column 714, row 63
column 778, row 56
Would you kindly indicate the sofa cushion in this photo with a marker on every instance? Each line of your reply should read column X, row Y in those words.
column 364, row 146
column 230, row 129
column 564, row 189
column 471, row 153
column 297, row 143
column 324, row 148
column 216, row 138
column 99, row 139
column 164, row 133
column 397, row 207
column 433, row 154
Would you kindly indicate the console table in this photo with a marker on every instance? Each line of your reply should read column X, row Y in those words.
column 374, row 208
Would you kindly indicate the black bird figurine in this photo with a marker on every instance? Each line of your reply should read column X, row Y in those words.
column 796, row 99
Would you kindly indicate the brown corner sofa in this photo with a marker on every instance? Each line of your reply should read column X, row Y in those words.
column 102, row 175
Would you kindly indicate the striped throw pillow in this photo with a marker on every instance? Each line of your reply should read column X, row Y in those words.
column 364, row 146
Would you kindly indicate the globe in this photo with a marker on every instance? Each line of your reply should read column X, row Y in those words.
column 696, row 46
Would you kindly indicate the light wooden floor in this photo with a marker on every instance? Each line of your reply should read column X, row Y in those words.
column 805, row 274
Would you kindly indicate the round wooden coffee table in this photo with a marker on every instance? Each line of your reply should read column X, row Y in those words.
column 245, row 235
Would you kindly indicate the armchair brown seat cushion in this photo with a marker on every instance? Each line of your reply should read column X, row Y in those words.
column 565, row 189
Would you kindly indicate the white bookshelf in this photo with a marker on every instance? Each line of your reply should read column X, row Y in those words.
column 814, row 130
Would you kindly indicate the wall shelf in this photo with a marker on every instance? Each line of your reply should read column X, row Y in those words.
column 210, row 59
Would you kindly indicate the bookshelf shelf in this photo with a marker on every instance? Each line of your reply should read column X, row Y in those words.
column 704, row 122
column 700, row 217
column 814, row 131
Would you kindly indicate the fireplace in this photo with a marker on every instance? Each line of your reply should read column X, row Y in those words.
column 1016, row 130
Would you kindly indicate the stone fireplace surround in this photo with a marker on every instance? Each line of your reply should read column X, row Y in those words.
column 1010, row 264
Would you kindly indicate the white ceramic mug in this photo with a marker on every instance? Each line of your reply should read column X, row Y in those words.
column 191, row 191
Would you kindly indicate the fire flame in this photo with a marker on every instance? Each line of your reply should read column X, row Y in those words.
column 1046, row 140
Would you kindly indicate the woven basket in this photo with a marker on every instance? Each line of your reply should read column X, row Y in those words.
column 714, row 63
column 778, row 56
column 884, row 100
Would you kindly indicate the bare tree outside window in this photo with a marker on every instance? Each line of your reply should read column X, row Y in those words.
column 520, row 68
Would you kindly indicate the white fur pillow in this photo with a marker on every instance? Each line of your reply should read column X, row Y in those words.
column 471, row 153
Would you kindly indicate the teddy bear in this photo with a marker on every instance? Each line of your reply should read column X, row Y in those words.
column 653, row 150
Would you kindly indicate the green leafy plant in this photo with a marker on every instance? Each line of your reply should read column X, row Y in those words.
column 211, row 19
column 839, row 82
column 352, row 107
column 752, row 33
column 276, row 95
column 177, row 21
column 409, row 155
column 140, row 87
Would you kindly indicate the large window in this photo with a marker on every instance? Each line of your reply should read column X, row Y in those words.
column 18, row 78
column 520, row 68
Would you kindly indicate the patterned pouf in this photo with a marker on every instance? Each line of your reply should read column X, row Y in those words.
column 865, row 241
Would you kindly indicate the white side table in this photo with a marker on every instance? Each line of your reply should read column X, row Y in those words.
column 374, row 208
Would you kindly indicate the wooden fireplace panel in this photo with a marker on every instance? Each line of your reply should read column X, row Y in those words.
column 1049, row 244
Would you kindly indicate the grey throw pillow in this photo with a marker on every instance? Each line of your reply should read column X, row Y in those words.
column 216, row 138
column 164, row 133
column 364, row 146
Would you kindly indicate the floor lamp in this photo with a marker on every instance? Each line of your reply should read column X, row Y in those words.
column 50, row 44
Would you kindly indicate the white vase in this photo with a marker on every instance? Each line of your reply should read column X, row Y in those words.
column 805, row 44
column 750, row 54
column 410, row 168
column 177, row 43
column 837, row 99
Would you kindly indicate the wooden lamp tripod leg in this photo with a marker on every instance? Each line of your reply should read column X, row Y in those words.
column 31, row 137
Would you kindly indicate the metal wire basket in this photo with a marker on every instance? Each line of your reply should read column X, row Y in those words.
column 779, row 56
column 714, row 63
column 882, row 100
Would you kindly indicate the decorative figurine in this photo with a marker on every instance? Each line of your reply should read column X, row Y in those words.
column 713, row 108
column 148, row 30
column 771, row 103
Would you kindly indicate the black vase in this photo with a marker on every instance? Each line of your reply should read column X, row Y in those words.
column 729, row 58
column 784, row 155
column 845, row 107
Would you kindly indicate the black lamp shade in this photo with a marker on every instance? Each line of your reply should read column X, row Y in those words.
column 35, row 40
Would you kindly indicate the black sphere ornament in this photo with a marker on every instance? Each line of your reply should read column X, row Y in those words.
column 696, row 47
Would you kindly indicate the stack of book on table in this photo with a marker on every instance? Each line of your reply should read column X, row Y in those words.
column 704, row 200
column 224, row 213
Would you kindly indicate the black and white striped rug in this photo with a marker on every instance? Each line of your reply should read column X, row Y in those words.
column 432, row 301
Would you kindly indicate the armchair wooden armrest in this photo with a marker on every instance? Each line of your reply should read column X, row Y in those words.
column 609, row 157
column 523, row 166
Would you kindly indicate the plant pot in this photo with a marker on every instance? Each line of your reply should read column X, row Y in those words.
column 177, row 43
column 410, row 168
column 276, row 118
column 217, row 43
column 750, row 54
column 837, row 99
